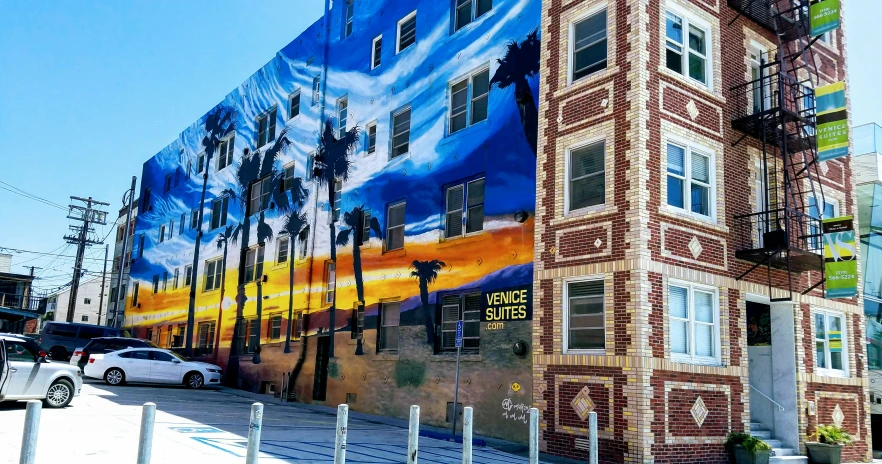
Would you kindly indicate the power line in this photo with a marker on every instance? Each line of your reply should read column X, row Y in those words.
column 16, row 250
column 30, row 196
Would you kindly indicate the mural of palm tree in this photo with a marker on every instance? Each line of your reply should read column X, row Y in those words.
column 354, row 220
column 427, row 272
column 223, row 240
column 332, row 162
column 295, row 223
column 521, row 61
column 217, row 124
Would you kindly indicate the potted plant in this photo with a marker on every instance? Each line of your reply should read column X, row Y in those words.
column 825, row 445
column 745, row 449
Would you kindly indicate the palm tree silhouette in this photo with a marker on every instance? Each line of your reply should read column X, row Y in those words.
column 223, row 240
column 332, row 162
column 295, row 223
column 427, row 273
column 521, row 61
column 217, row 124
column 355, row 221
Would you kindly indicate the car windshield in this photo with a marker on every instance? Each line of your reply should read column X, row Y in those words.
column 179, row 356
column 151, row 344
column 125, row 333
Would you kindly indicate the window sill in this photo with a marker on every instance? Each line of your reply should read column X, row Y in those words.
column 587, row 81
column 211, row 292
column 450, row 138
column 583, row 352
column 398, row 159
column 582, row 213
column 397, row 253
column 697, row 362
column 832, row 373
column 386, row 356
column 692, row 84
column 473, row 23
column 682, row 214
column 279, row 266
column 462, row 240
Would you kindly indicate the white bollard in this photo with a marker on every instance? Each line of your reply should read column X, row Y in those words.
column 592, row 438
column 467, row 435
column 340, row 440
column 256, row 422
column 145, row 440
column 413, row 434
column 534, row 436
column 31, row 430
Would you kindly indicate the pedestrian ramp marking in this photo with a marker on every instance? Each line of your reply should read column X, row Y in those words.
column 196, row 430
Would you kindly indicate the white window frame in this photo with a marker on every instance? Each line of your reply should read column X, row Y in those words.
column 161, row 233
column 382, row 336
column 188, row 275
column 330, row 281
column 337, row 207
column 316, row 90
column 283, row 243
column 289, row 181
column 464, row 210
column 691, row 358
column 367, row 130
column 270, row 115
column 829, row 371
column 271, row 326
column 689, row 147
column 818, row 242
column 398, row 48
column 342, row 120
column 565, row 305
column 473, row 10
column 403, row 226
column 762, row 54
column 405, row 108
column 348, row 19
column 567, row 180
column 221, row 221
column 689, row 19
column 217, row 276
column 227, row 160
column 470, row 99
column 291, row 97
column 374, row 64
column 259, row 252
column 571, row 42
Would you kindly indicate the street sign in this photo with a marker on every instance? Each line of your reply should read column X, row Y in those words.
column 459, row 334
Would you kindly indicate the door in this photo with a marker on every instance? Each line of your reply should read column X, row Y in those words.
column 761, row 192
column 320, row 383
column 761, row 90
column 136, row 364
column 165, row 368
column 4, row 369
column 759, row 354
column 26, row 377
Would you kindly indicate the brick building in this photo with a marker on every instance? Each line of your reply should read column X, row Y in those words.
column 678, row 283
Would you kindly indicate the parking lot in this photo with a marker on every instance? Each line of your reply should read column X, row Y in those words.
column 101, row 426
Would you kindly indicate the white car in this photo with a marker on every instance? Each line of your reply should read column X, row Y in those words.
column 25, row 374
column 151, row 365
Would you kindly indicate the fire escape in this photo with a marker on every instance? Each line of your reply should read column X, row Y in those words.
column 776, row 108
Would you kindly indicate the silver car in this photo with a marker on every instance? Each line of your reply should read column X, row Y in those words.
column 25, row 374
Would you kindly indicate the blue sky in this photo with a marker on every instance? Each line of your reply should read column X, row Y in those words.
column 88, row 94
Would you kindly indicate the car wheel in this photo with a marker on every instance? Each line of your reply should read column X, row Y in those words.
column 58, row 353
column 114, row 377
column 59, row 394
column 194, row 380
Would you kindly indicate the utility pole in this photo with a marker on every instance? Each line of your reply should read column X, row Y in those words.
column 89, row 216
column 103, row 279
column 32, row 269
column 125, row 246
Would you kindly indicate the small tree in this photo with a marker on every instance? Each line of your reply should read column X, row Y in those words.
column 426, row 272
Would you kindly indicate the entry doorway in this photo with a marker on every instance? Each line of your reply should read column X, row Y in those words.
column 322, row 358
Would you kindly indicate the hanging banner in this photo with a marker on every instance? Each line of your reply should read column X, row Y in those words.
column 840, row 257
column 832, row 120
column 824, row 16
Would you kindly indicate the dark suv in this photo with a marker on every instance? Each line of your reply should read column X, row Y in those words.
column 104, row 345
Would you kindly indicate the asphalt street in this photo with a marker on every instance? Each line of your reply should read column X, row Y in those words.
column 102, row 425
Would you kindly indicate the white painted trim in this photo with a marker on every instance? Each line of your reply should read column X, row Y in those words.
column 571, row 40
column 691, row 358
column 373, row 51
column 567, row 152
column 691, row 145
column 398, row 32
column 566, row 310
column 690, row 18
column 846, row 360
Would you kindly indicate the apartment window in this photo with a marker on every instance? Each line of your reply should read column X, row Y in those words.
column 294, row 105
column 830, row 343
column 150, row 334
column 168, row 183
column 171, row 228
column 275, row 328
column 282, row 249
column 183, row 224
column 470, row 10
column 395, row 226
column 161, row 233
column 338, row 198
column 225, row 152
column 85, row 318
column 213, row 274
column 254, row 263
column 87, row 301
column 589, row 49
column 219, row 212
column 194, row 219
column 826, row 37
column 156, row 283
column 693, row 330
column 177, row 275
column 120, row 233
column 584, row 315
column 303, row 238
column 165, row 281
column 690, row 177
column 357, row 323
column 400, row 132
column 586, row 176
column 288, row 180
column 200, row 162
column 465, row 208
column 376, row 50
column 188, row 275
column 831, row 210
column 342, row 112
column 135, row 288
column 141, row 246
column 266, row 127
column 310, row 165
column 128, row 259
column 315, row 90
column 297, row 326
column 205, row 337
column 349, row 12
column 259, row 195
column 460, row 307
column 249, row 335
column 468, row 100
column 406, row 32
column 330, row 281
column 390, row 318
column 371, row 130
column 686, row 58
column 365, row 226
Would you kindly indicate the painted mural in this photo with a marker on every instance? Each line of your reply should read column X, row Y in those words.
column 335, row 212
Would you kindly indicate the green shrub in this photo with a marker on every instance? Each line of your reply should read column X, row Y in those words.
column 831, row 435
column 751, row 444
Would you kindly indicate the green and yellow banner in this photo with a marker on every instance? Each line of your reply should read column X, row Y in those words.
column 824, row 16
column 832, row 121
column 840, row 257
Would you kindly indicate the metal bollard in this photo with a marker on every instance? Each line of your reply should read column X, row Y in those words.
column 413, row 434
column 145, row 440
column 254, row 426
column 467, row 435
column 340, row 440
column 592, row 438
column 534, row 436
column 31, row 430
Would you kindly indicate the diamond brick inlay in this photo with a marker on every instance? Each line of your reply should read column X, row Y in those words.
column 699, row 411
column 695, row 247
column 583, row 404
column 692, row 109
column 597, row 243
column 838, row 416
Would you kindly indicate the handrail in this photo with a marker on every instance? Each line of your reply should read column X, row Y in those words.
column 780, row 408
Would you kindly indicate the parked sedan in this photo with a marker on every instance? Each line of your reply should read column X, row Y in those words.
column 106, row 345
column 25, row 374
column 151, row 365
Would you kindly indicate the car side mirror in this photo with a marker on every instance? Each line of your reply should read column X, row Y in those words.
column 176, row 361
column 42, row 357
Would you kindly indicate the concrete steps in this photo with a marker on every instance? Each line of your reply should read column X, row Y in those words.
column 779, row 453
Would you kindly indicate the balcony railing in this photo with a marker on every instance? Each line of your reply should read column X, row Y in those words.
column 762, row 105
column 779, row 16
column 784, row 238
column 23, row 302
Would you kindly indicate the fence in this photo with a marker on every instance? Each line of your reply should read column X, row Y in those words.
column 148, row 416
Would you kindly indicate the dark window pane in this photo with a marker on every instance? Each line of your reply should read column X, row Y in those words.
column 675, row 192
